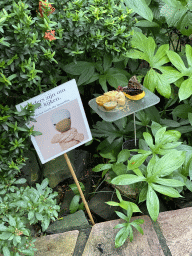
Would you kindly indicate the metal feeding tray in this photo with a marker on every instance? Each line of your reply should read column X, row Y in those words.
column 131, row 107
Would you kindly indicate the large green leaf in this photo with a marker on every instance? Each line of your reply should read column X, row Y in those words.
column 127, row 179
column 143, row 194
column 182, row 111
column 103, row 82
column 159, row 81
column 185, row 90
column 150, row 80
column 176, row 61
column 160, row 58
column 169, row 182
column 152, row 203
column 170, row 73
column 137, row 160
column 144, row 44
column 117, row 79
column 107, row 61
column 123, row 156
column 111, row 131
column 159, row 135
column 119, row 168
column 140, row 7
column 77, row 68
column 121, row 237
column 86, row 75
column 185, row 25
column 166, row 190
column 188, row 51
column 135, row 54
column 102, row 167
column 169, row 163
column 146, row 24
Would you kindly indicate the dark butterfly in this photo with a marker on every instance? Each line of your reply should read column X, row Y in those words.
column 133, row 88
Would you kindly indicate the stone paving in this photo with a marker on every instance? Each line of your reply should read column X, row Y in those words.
column 171, row 235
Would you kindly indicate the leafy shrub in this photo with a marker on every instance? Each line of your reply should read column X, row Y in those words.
column 20, row 206
column 26, row 56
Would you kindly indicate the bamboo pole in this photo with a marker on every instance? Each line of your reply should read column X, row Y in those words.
column 79, row 188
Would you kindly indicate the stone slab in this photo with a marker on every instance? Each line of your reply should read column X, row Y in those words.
column 62, row 244
column 98, row 205
column 176, row 227
column 75, row 221
column 102, row 241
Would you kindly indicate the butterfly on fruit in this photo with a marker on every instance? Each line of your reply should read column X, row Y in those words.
column 133, row 90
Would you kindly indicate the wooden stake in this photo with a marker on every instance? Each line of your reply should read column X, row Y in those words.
column 79, row 188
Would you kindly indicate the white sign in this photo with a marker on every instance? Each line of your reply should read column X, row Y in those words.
column 61, row 119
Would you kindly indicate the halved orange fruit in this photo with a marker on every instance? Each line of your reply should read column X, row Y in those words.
column 135, row 97
column 102, row 100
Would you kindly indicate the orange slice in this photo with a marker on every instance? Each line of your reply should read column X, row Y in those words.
column 135, row 97
column 102, row 100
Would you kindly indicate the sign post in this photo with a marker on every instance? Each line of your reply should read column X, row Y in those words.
column 79, row 188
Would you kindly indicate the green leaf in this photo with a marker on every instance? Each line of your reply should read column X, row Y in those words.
column 169, row 182
column 31, row 215
column 118, row 195
column 146, row 24
column 137, row 160
column 102, row 167
column 171, row 74
column 107, row 61
column 135, row 54
column 74, row 205
column 75, row 189
column 151, row 164
column 103, row 82
column 44, row 183
column 160, row 58
column 12, row 221
column 166, row 190
column 185, row 90
column 123, row 156
column 185, row 26
column 2, row 227
column 188, row 50
column 39, row 216
column 159, row 135
column 6, row 251
column 121, row 215
column 112, row 203
column 190, row 118
column 176, row 61
column 121, row 237
column 149, row 139
column 117, row 79
column 124, row 205
column 152, row 203
column 169, row 163
column 77, row 68
column 143, row 194
column 129, row 211
column 5, row 235
column 159, row 81
column 119, row 168
column 135, row 225
column 182, row 111
column 20, row 181
column 140, row 7
column 86, row 75
column 127, row 179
